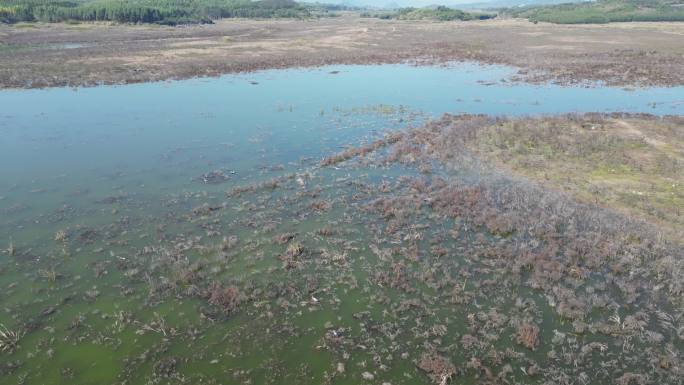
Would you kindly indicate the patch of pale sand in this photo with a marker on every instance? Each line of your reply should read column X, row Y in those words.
column 535, row 33
column 252, row 49
column 680, row 33
column 201, row 52
column 344, row 38
column 552, row 47
column 349, row 38
column 189, row 52
column 630, row 130
column 503, row 22
column 250, row 22
column 194, row 42
column 635, row 31
column 659, row 26
column 584, row 40
column 121, row 60
column 549, row 29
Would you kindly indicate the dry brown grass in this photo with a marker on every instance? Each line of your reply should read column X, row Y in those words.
column 629, row 163
column 620, row 54
column 528, row 336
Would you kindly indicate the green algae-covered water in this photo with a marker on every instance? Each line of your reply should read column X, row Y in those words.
column 184, row 233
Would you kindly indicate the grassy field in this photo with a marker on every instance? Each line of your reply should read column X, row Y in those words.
column 603, row 11
column 633, row 164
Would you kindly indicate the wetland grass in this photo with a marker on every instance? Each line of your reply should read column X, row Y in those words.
column 11, row 249
column 9, row 339
column 538, row 239
column 410, row 260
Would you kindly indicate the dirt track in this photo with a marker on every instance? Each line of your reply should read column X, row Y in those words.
column 44, row 55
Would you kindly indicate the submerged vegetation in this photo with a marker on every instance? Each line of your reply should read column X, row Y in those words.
column 603, row 11
column 9, row 339
column 146, row 11
column 439, row 13
column 413, row 258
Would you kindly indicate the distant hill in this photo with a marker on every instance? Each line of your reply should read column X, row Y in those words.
column 603, row 11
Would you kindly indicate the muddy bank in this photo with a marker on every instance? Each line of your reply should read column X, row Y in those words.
column 48, row 55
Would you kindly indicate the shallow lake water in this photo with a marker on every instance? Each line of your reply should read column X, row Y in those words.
column 122, row 208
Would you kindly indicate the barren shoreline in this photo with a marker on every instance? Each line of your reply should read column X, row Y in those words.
column 54, row 55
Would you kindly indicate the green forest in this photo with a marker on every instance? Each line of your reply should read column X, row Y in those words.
column 169, row 12
column 603, row 11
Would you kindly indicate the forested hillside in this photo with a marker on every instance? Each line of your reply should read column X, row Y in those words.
column 603, row 11
column 145, row 11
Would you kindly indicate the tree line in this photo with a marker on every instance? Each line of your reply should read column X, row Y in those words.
column 146, row 11
column 603, row 11
column 440, row 13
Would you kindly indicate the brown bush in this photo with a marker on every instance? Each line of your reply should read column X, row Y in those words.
column 528, row 335
column 228, row 298
column 438, row 368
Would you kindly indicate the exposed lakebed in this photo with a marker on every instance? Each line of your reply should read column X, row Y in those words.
column 187, row 232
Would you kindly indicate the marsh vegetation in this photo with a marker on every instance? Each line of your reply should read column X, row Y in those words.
column 387, row 222
column 631, row 163
column 351, row 244
column 35, row 55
